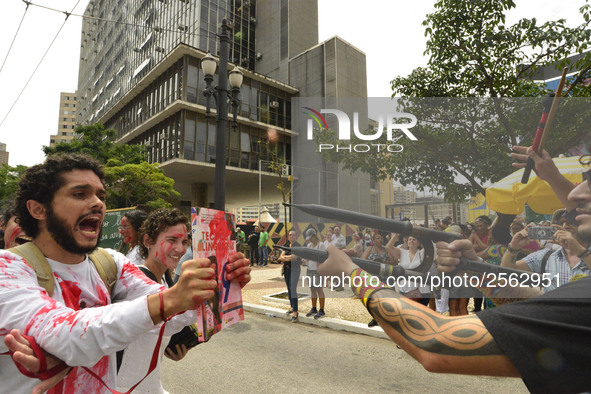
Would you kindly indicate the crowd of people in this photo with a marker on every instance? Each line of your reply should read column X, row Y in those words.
column 489, row 237
column 66, row 328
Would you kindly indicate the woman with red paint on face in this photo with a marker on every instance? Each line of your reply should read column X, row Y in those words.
column 12, row 234
column 131, row 222
column 163, row 242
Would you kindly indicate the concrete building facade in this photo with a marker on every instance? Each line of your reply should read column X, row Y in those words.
column 332, row 75
column 66, row 122
column 3, row 154
column 142, row 77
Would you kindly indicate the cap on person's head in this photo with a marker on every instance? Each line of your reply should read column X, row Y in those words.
column 310, row 233
column 455, row 229
column 558, row 215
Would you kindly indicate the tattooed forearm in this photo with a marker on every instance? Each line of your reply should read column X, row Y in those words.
column 427, row 330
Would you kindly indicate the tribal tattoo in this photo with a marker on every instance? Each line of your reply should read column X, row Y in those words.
column 427, row 330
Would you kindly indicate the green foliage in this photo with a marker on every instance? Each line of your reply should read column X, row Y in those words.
column 130, row 180
column 9, row 178
column 98, row 142
column 276, row 164
column 473, row 53
column 137, row 184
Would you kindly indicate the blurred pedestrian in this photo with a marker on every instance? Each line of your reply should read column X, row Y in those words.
column 291, row 273
column 131, row 222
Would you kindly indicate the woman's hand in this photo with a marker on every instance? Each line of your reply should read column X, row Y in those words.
column 181, row 352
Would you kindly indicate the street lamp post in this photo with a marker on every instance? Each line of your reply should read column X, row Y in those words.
column 221, row 98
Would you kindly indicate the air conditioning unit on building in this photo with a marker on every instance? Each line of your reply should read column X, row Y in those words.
column 274, row 104
column 163, row 136
column 284, row 170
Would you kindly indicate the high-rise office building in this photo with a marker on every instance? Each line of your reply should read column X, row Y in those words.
column 140, row 74
column 3, row 154
column 66, row 120
column 402, row 196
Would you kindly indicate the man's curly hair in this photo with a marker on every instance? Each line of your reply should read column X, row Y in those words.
column 157, row 222
column 40, row 182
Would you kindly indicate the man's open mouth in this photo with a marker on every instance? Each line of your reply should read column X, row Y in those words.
column 90, row 225
column 22, row 239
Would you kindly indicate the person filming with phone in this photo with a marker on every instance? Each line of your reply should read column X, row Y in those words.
column 559, row 266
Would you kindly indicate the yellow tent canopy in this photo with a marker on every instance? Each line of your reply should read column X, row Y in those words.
column 509, row 195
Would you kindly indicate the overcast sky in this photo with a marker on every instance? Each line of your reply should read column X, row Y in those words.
column 389, row 32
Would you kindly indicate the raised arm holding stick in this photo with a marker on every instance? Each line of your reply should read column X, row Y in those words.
column 545, row 124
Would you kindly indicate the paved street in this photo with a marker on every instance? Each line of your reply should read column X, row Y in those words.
column 271, row 355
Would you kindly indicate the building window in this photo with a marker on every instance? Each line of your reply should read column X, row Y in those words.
column 374, row 204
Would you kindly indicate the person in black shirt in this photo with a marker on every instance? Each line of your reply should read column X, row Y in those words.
column 253, row 243
column 291, row 272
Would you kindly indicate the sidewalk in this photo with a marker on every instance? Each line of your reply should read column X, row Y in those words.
column 343, row 312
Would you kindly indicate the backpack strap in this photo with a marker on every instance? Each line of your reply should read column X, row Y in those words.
column 545, row 261
column 105, row 266
column 36, row 260
column 102, row 260
column 149, row 274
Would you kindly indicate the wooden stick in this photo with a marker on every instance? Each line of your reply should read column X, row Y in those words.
column 538, row 146
column 375, row 222
column 553, row 110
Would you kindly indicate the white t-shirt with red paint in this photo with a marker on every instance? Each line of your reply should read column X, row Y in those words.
column 136, row 362
column 81, row 324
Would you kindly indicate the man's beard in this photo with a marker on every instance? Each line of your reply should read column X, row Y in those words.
column 584, row 229
column 64, row 236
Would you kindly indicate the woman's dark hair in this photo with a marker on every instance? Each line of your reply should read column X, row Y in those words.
column 157, row 222
column 9, row 212
column 465, row 230
column 501, row 234
column 40, row 182
column 136, row 218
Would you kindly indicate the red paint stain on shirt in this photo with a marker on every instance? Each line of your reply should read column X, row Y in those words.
column 71, row 294
column 130, row 269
